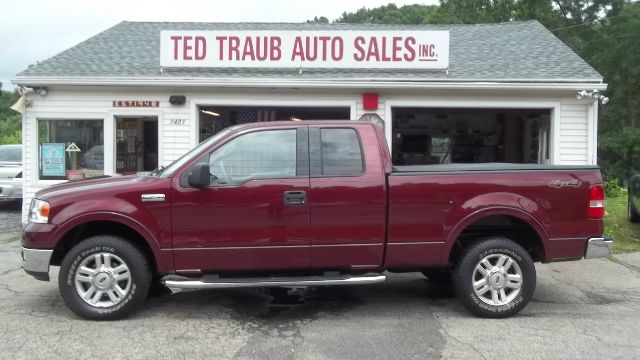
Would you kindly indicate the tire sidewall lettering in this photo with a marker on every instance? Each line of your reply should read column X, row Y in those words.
column 513, row 303
column 464, row 272
column 73, row 268
column 83, row 255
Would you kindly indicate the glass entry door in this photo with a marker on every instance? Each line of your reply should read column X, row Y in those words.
column 136, row 144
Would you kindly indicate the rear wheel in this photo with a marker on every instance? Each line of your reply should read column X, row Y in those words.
column 495, row 278
column 632, row 214
column 104, row 278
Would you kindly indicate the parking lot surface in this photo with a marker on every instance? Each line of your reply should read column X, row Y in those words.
column 581, row 310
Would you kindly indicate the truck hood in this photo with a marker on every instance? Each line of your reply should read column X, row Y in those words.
column 76, row 188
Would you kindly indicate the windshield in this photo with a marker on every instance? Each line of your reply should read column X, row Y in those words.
column 171, row 168
column 10, row 154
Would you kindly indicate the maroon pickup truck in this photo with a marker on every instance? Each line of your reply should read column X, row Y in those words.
column 294, row 204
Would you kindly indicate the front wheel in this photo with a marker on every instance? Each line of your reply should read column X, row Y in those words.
column 495, row 278
column 104, row 278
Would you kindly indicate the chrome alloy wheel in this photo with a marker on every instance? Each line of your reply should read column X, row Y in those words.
column 497, row 279
column 103, row 280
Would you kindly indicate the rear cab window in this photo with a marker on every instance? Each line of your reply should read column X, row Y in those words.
column 336, row 152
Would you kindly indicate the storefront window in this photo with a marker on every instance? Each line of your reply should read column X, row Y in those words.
column 70, row 149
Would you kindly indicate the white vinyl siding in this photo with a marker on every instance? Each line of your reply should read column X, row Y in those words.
column 574, row 129
column 570, row 146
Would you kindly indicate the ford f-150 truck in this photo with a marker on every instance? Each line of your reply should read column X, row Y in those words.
column 295, row 204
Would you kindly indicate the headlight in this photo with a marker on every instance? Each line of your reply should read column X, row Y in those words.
column 39, row 211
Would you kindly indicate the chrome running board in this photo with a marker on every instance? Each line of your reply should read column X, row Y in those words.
column 178, row 283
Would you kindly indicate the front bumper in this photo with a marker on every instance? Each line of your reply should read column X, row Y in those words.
column 35, row 262
column 599, row 247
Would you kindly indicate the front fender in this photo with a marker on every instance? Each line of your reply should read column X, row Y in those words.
column 147, row 235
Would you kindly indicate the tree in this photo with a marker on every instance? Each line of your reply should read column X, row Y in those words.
column 10, row 121
column 478, row 11
column 318, row 20
column 391, row 14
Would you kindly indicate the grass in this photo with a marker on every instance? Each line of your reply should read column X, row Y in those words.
column 625, row 234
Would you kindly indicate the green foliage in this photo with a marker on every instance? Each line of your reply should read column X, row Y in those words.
column 318, row 20
column 626, row 236
column 619, row 153
column 10, row 121
column 612, row 188
column 391, row 14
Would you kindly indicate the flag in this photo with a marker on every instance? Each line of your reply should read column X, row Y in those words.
column 266, row 115
column 249, row 116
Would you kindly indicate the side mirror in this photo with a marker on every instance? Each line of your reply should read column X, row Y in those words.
column 200, row 176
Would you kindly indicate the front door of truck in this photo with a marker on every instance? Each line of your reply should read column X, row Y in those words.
column 255, row 214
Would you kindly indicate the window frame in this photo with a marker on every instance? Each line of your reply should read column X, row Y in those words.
column 36, row 170
column 315, row 152
column 302, row 157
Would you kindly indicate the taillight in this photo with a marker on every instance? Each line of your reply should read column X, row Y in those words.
column 596, row 202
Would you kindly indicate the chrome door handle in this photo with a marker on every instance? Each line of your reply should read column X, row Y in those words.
column 152, row 197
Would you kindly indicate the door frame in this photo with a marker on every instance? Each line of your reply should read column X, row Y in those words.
column 111, row 129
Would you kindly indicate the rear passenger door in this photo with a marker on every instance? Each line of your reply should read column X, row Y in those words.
column 347, row 198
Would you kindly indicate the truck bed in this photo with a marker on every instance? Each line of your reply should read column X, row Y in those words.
column 431, row 205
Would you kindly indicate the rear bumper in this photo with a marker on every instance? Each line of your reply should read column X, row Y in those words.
column 599, row 247
column 35, row 262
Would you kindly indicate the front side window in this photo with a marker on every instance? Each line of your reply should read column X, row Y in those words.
column 341, row 152
column 258, row 155
column 70, row 149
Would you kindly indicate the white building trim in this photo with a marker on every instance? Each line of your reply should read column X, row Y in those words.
column 339, row 82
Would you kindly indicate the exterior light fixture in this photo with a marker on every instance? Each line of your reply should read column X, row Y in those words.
column 42, row 91
column 582, row 94
column 177, row 99
column 593, row 96
column 212, row 113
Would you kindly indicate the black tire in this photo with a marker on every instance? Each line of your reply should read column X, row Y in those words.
column 465, row 274
column 632, row 214
column 118, row 251
column 438, row 276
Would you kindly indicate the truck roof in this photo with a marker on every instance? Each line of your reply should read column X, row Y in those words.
column 270, row 124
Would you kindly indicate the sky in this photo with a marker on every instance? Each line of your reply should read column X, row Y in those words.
column 35, row 30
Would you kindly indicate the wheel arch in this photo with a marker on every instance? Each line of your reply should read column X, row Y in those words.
column 81, row 228
column 512, row 221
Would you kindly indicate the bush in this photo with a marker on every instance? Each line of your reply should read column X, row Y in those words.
column 612, row 187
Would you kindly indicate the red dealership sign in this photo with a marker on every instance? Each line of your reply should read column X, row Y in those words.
column 310, row 49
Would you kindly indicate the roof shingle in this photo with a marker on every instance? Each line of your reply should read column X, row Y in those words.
column 512, row 51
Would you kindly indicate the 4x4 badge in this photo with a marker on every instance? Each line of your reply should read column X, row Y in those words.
column 565, row 183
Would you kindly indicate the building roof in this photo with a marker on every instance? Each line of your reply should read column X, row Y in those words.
column 503, row 52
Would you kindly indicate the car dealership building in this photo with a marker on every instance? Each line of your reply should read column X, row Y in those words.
column 140, row 94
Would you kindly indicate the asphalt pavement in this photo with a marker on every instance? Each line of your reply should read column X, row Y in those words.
column 581, row 310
